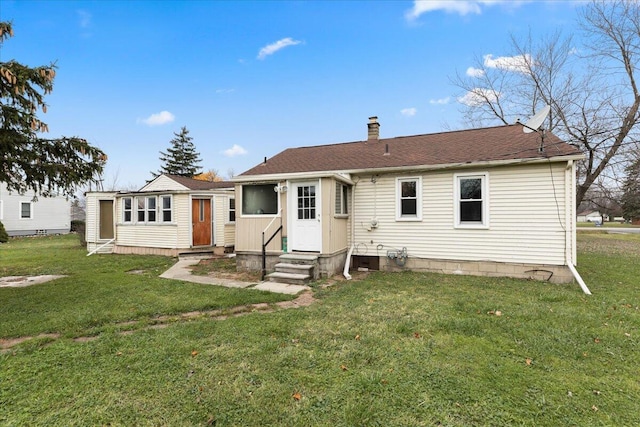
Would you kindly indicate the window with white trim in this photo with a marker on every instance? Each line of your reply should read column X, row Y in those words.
column 151, row 209
column 471, row 200
column 232, row 210
column 147, row 209
column 26, row 210
column 165, row 208
column 342, row 192
column 127, row 209
column 409, row 199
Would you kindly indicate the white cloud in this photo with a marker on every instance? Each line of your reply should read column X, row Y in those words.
column 441, row 101
column 510, row 63
column 449, row 6
column 474, row 72
column 461, row 7
column 477, row 96
column 272, row 48
column 409, row 112
column 225, row 90
column 157, row 119
column 85, row 18
column 236, row 150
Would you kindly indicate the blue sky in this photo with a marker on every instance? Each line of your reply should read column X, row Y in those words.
column 251, row 78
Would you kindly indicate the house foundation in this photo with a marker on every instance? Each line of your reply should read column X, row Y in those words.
column 547, row 273
column 328, row 264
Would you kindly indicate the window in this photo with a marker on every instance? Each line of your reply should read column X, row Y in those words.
column 151, row 209
column 25, row 210
column 259, row 199
column 127, row 209
column 471, row 199
column 166, row 208
column 232, row 210
column 141, row 209
column 342, row 198
column 146, row 209
column 306, row 201
column 409, row 199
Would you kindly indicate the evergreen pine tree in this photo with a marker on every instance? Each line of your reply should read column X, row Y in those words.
column 181, row 158
column 631, row 192
column 30, row 161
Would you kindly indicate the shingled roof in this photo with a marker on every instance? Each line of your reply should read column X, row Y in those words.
column 501, row 143
column 195, row 184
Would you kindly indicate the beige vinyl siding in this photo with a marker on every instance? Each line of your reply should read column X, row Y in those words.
column 150, row 236
column 334, row 229
column 91, row 218
column 163, row 183
column 248, row 229
column 159, row 235
column 220, row 214
column 524, row 219
column 182, row 217
column 228, row 228
column 249, row 233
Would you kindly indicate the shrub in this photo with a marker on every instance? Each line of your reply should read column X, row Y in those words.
column 4, row 237
column 78, row 226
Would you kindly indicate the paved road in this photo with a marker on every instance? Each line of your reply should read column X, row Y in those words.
column 612, row 229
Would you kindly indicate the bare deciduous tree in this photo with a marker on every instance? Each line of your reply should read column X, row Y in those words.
column 592, row 91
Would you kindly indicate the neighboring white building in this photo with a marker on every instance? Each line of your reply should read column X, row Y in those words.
column 589, row 216
column 480, row 202
column 24, row 215
column 168, row 216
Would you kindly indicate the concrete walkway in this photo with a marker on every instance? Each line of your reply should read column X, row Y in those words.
column 182, row 271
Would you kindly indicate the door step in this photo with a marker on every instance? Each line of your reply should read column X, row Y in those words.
column 295, row 269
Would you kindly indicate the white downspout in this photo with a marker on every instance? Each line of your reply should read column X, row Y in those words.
column 570, row 185
column 347, row 263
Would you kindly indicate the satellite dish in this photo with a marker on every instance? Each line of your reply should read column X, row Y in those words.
column 534, row 123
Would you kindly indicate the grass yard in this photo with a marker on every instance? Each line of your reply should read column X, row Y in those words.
column 403, row 349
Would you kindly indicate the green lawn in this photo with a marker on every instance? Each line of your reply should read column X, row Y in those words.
column 610, row 224
column 386, row 350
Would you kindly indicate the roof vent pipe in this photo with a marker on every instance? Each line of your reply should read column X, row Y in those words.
column 373, row 128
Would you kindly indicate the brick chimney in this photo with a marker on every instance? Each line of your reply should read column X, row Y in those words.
column 373, row 128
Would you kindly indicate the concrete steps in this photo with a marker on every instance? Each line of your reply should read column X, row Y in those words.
column 295, row 269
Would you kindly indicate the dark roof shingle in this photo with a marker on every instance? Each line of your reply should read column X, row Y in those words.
column 195, row 184
column 467, row 146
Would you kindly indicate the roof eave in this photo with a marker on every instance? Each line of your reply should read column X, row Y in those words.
column 344, row 174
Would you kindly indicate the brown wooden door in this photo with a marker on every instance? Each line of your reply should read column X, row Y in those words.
column 106, row 219
column 201, row 222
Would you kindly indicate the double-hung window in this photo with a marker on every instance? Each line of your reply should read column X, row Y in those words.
column 146, row 208
column 26, row 211
column 165, row 206
column 151, row 209
column 471, row 208
column 409, row 199
column 127, row 209
column 342, row 192
column 232, row 210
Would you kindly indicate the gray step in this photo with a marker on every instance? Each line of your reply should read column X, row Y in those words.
column 283, row 267
column 299, row 258
column 291, row 278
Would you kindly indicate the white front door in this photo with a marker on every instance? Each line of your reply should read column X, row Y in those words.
column 304, row 209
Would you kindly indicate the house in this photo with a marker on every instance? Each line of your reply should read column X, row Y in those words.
column 168, row 216
column 493, row 201
column 589, row 215
column 25, row 214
